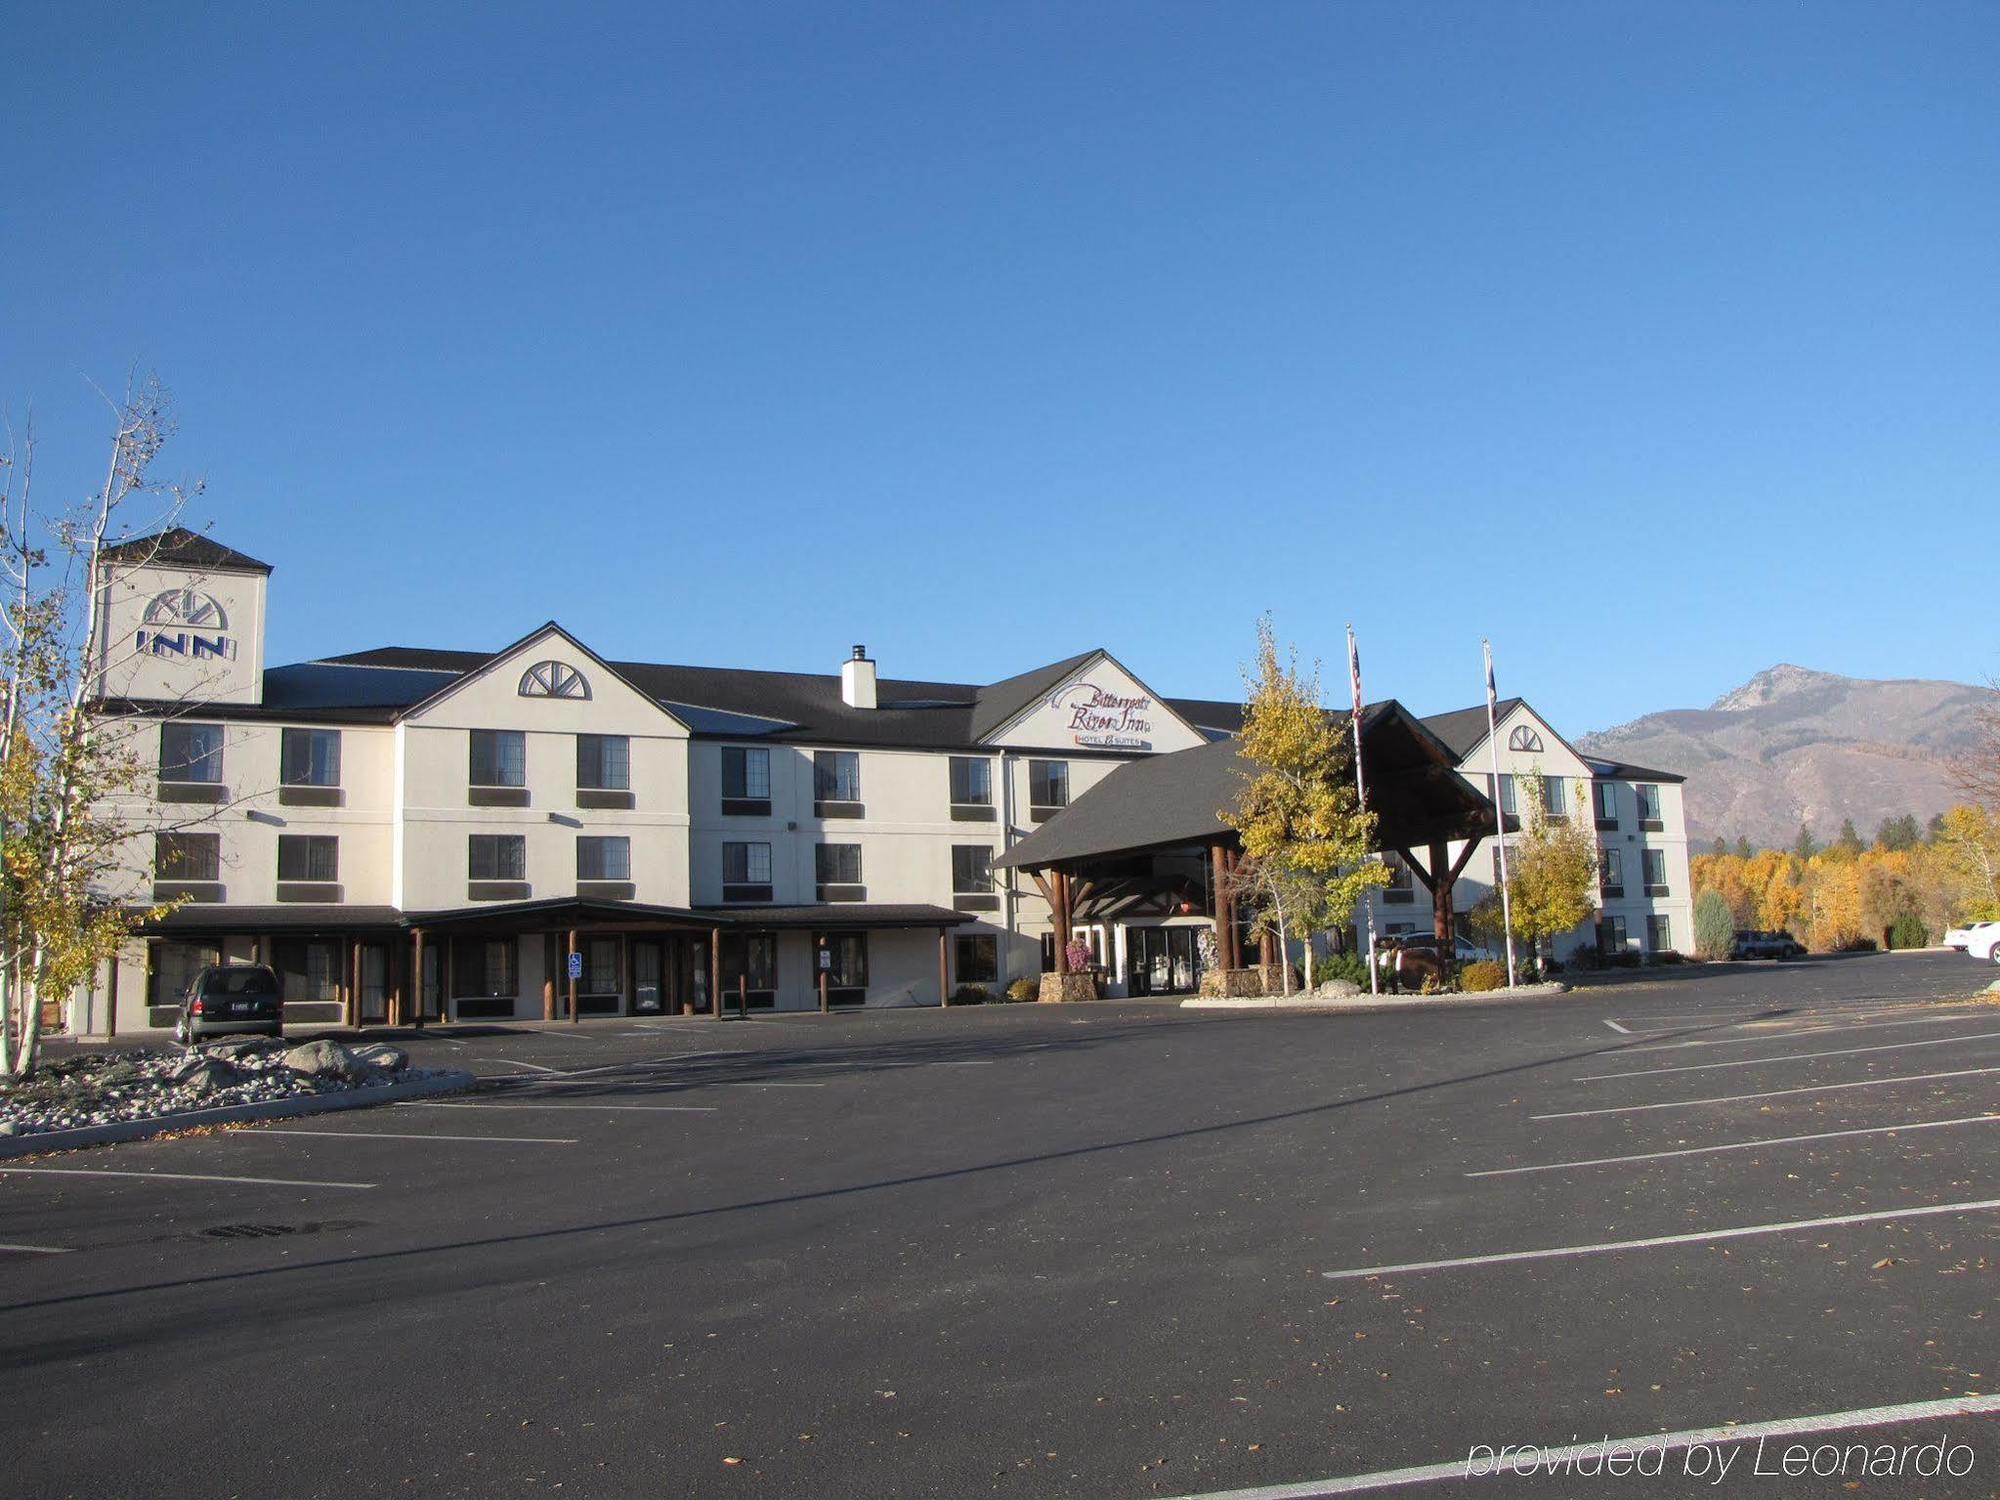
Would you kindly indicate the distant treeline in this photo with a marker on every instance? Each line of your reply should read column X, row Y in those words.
column 1846, row 893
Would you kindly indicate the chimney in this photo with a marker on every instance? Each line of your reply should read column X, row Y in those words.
column 857, row 680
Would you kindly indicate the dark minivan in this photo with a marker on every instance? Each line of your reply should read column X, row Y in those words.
column 227, row 999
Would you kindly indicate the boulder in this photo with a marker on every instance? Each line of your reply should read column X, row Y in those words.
column 201, row 1075
column 326, row 1059
column 242, row 1046
column 1337, row 989
column 382, row 1056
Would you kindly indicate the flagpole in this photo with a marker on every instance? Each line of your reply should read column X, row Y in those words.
column 1499, row 816
column 1361, row 794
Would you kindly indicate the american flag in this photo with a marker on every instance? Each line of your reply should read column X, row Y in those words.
column 1492, row 693
column 1354, row 669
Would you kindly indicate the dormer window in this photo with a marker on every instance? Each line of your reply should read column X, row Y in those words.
column 553, row 679
column 1524, row 738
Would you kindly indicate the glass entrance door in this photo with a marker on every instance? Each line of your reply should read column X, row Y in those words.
column 649, row 973
column 1161, row 960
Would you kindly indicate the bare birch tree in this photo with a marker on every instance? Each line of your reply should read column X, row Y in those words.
column 63, row 846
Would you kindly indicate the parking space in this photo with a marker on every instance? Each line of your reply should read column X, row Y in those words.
column 1107, row 1250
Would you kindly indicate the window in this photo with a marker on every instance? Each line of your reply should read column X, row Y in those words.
column 1524, row 738
column 603, row 858
column 499, row 757
column 971, row 869
column 191, row 752
column 836, row 776
column 1604, row 794
column 1505, row 796
column 1555, row 796
column 187, row 857
column 1400, row 889
column 601, row 974
column 553, row 679
column 750, row 969
column 309, row 757
column 1659, row 934
column 848, row 954
column 746, row 872
column 746, row 781
column 1048, row 786
column 1649, row 808
column 1655, row 862
column 483, row 968
column 308, row 970
column 314, row 857
column 971, row 781
column 837, row 864
column 604, row 762
column 976, row 958
column 1610, row 873
column 1611, row 935
column 496, row 856
column 172, row 967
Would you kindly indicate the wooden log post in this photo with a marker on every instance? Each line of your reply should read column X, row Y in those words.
column 715, row 971
column 1223, row 904
column 743, row 994
column 353, row 984
column 416, row 985
column 1059, row 916
column 548, row 976
column 111, row 998
column 1442, row 878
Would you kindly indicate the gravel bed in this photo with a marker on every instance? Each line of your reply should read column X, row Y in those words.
column 102, row 1088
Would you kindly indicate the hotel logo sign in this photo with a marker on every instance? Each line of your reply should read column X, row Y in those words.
column 184, row 622
column 1099, row 720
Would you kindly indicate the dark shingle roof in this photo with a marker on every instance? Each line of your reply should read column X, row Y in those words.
column 1167, row 800
column 1623, row 771
column 840, row 914
column 1464, row 728
column 183, row 548
column 998, row 702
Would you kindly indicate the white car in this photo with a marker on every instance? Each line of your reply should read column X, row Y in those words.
column 1961, row 937
column 1985, row 943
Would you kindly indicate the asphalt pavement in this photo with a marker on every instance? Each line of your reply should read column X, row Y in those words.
column 1117, row 1249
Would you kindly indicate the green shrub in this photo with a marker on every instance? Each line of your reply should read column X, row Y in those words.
column 1714, row 925
column 1349, row 966
column 1023, row 990
column 971, row 994
column 1909, row 931
column 1481, row 975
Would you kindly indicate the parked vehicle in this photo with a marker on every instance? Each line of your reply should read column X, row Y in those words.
column 229, row 999
column 1755, row 943
column 1985, row 943
column 1961, row 937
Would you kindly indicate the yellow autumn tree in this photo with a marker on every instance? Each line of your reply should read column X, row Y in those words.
column 1552, row 870
column 1305, row 835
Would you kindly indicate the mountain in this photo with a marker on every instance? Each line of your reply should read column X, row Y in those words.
column 1794, row 746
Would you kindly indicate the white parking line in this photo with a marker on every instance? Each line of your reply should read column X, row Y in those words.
column 510, row 1062
column 1786, row 1036
column 1695, row 1237
column 682, row 1109
column 1755, row 1062
column 176, row 1177
column 1621, row 1030
column 1781, row 1140
column 1559, row 1460
column 981, row 1062
column 35, row 1249
column 1818, row 1088
column 393, row 1135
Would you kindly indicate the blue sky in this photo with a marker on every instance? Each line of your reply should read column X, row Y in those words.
column 1654, row 340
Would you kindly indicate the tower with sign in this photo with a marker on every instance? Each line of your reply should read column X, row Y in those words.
column 181, row 616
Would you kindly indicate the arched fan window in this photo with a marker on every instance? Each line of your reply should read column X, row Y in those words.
column 553, row 679
column 1524, row 738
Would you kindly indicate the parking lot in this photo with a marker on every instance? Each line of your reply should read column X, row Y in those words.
column 1107, row 1250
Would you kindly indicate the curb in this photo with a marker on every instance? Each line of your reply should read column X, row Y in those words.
column 231, row 1114
column 1362, row 1005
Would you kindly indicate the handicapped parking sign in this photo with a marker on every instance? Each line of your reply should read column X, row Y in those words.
column 576, row 966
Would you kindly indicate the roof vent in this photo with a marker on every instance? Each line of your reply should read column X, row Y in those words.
column 857, row 680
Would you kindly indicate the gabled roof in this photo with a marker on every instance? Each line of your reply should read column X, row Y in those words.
column 1619, row 770
column 1464, row 729
column 1164, row 801
column 183, row 548
column 1000, row 701
column 447, row 687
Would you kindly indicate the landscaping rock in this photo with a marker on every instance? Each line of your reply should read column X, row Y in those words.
column 325, row 1059
column 242, row 1046
column 383, row 1056
column 1337, row 989
column 202, row 1075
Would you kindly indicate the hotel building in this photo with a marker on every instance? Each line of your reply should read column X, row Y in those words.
column 535, row 832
